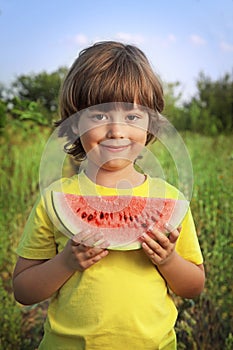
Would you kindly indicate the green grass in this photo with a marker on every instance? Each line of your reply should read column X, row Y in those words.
column 212, row 160
column 20, row 158
column 204, row 323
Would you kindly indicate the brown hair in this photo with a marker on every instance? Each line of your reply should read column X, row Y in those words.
column 109, row 72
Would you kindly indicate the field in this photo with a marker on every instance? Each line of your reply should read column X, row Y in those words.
column 204, row 323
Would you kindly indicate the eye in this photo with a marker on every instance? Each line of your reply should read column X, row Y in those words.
column 132, row 117
column 99, row 117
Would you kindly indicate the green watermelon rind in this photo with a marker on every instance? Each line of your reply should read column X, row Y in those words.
column 130, row 245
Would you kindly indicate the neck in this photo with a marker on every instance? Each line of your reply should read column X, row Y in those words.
column 123, row 178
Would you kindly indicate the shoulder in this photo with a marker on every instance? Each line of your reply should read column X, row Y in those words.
column 158, row 187
column 44, row 206
column 64, row 184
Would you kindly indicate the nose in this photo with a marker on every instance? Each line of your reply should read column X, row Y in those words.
column 115, row 130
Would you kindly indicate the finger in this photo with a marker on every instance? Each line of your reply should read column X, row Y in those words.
column 83, row 236
column 103, row 244
column 152, row 255
column 74, row 242
column 77, row 244
column 174, row 234
column 91, row 252
column 179, row 228
column 154, row 246
column 87, row 238
column 156, row 236
column 96, row 241
column 158, row 250
column 96, row 254
column 94, row 259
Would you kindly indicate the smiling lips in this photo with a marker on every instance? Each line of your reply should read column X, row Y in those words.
column 116, row 145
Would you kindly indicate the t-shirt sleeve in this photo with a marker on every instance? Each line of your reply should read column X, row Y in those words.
column 187, row 244
column 37, row 241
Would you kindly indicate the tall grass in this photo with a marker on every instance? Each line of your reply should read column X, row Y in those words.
column 207, row 322
column 204, row 323
column 20, row 158
column 19, row 183
column 212, row 160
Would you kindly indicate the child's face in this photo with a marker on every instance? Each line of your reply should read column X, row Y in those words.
column 113, row 138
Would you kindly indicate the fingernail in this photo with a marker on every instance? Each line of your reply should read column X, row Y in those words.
column 149, row 229
column 75, row 241
column 144, row 236
column 75, row 238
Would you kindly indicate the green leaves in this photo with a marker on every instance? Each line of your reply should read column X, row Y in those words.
column 42, row 87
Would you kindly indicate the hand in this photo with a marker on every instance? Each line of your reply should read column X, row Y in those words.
column 79, row 254
column 158, row 247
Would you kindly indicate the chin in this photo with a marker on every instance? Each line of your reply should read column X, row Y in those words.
column 116, row 165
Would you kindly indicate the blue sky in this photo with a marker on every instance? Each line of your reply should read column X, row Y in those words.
column 180, row 37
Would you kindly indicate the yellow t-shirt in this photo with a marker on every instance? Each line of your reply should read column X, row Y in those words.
column 121, row 301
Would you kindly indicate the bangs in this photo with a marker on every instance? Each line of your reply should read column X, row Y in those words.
column 120, row 86
column 120, row 80
column 107, row 73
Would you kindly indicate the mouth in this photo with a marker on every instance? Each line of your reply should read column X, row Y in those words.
column 115, row 145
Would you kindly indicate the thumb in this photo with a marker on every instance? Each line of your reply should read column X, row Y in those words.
column 75, row 240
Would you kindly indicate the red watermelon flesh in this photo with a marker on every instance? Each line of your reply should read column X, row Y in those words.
column 120, row 219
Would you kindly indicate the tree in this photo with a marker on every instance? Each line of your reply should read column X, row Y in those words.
column 42, row 88
column 211, row 111
column 173, row 106
column 3, row 116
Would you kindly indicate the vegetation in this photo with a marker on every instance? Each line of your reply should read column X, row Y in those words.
column 25, row 124
column 208, row 113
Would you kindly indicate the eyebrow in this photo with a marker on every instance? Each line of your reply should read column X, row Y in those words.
column 107, row 109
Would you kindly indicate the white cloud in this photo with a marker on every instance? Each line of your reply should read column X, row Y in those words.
column 197, row 40
column 81, row 39
column 130, row 38
column 171, row 38
column 226, row 47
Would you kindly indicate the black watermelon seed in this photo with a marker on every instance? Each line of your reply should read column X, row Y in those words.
column 90, row 217
column 101, row 215
column 130, row 218
column 84, row 215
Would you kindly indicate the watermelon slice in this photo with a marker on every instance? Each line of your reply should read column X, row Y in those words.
column 120, row 219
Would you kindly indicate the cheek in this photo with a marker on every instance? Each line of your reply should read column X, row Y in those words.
column 90, row 139
column 85, row 140
column 141, row 136
column 140, row 133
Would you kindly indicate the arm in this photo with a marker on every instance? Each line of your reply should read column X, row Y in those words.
column 185, row 278
column 36, row 280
